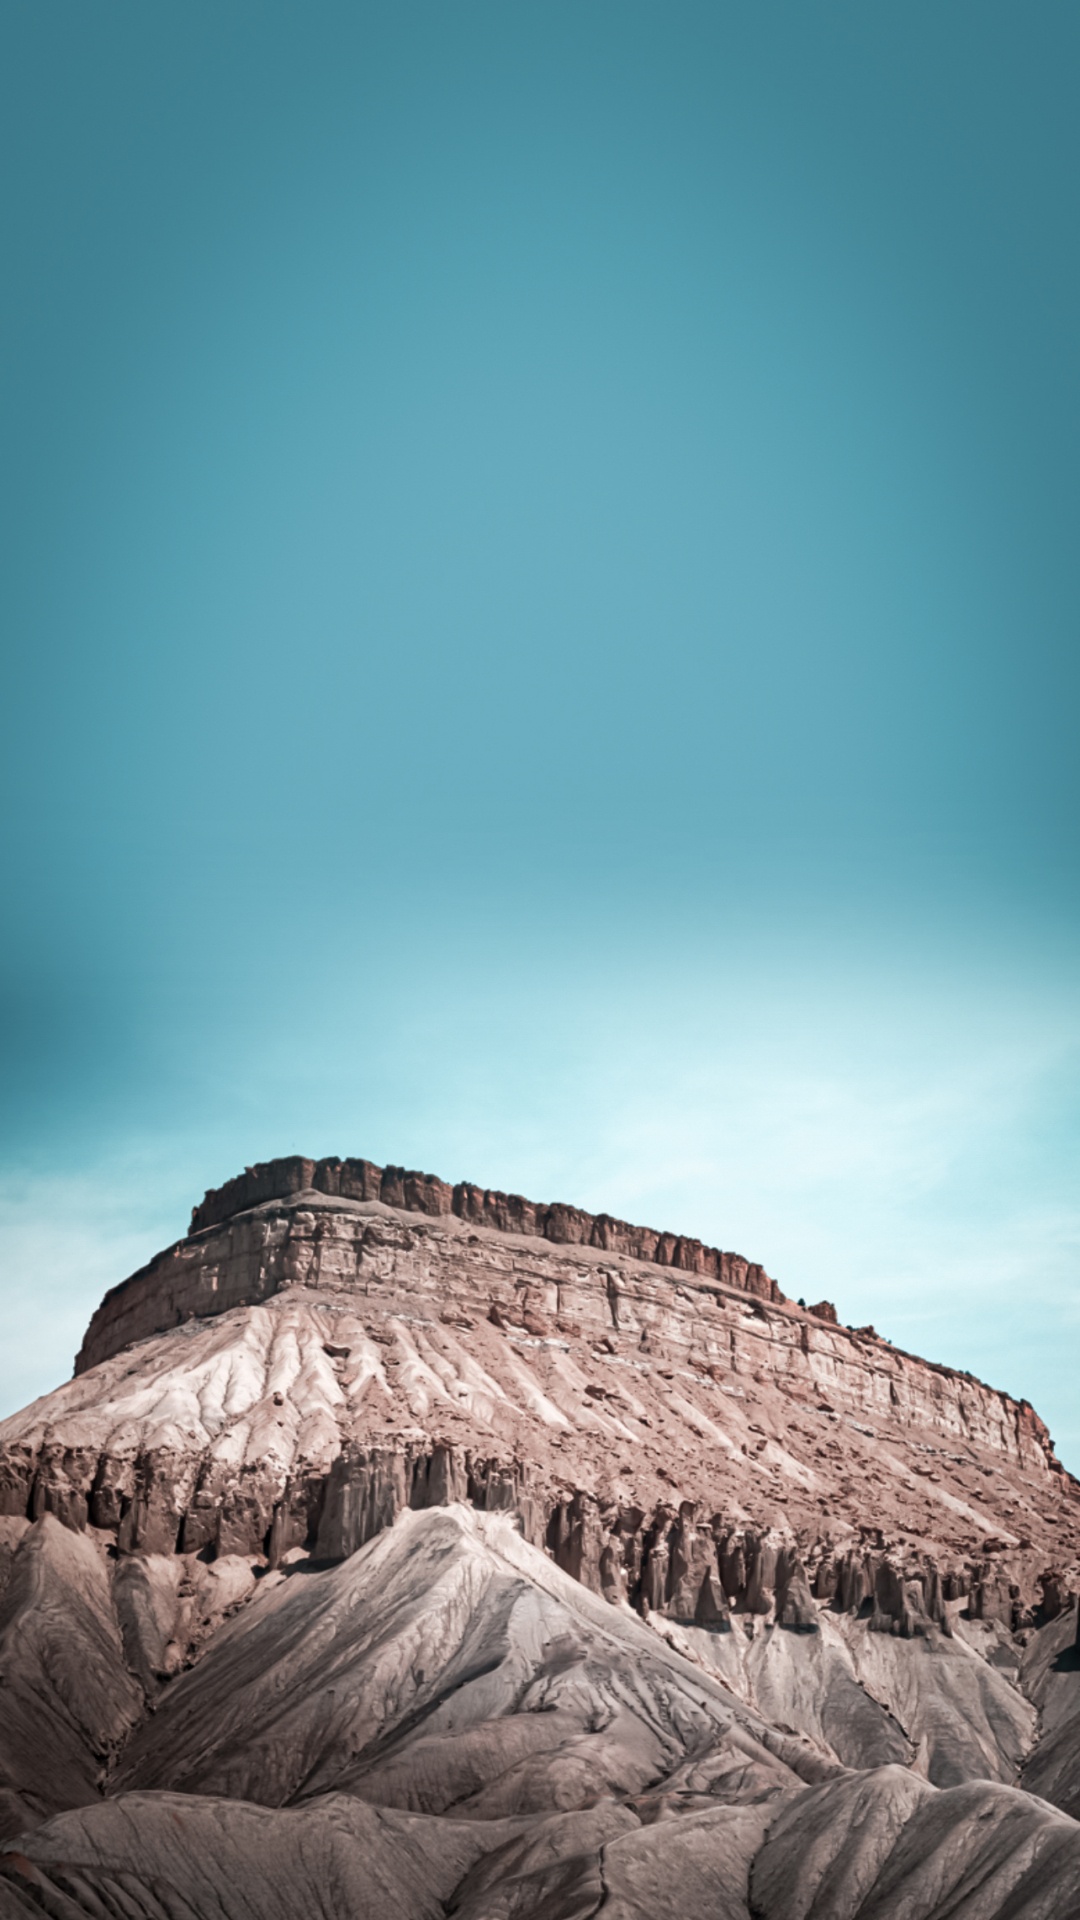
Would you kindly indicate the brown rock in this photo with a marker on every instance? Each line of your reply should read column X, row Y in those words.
column 795, row 1607
column 1055, row 1593
column 355, row 1364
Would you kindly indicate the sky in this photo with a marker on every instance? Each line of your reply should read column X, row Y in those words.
column 539, row 635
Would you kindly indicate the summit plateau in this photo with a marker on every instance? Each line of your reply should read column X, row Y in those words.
column 408, row 1549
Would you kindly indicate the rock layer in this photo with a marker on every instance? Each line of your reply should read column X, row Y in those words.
column 332, row 1361
column 379, row 1510
column 246, row 1269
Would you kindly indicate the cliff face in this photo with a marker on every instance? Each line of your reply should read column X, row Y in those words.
column 301, row 1369
column 399, row 1547
column 249, row 1268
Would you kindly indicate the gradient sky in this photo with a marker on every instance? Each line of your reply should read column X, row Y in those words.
column 540, row 581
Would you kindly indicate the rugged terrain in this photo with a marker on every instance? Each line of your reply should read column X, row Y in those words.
column 400, row 1548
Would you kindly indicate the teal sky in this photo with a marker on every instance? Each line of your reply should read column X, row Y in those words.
column 540, row 582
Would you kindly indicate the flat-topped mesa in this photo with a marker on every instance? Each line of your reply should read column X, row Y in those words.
column 412, row 1192
column 335, row 1341
column 256, row 1235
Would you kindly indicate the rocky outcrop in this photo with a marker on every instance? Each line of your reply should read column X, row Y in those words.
column 479, row 1206
column 824, row 1310
column 670, row 1560
column 592, row 1563
column 168, row 1290
column 458, row 1269
column 331, row 1361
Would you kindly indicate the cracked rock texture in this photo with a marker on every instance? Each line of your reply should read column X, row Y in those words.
column 400, row 1548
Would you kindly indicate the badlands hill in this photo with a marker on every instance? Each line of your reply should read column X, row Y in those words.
column 400, row 1549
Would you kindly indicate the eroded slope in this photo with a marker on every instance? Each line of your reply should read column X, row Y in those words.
column 446, row 1723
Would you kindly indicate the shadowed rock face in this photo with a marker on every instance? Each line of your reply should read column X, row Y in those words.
column 415, row 1550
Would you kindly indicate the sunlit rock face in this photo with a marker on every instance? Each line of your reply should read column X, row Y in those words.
column 406, row 1548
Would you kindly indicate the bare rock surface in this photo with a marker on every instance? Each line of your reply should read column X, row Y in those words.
column 873, row 1698
column 400, row 1548
column 333, row 1359
column 180, row 1856
column 67, row 1700
column 1050, row 1676
column 449, row 1666
column 885, row 1846
column 447, row 1723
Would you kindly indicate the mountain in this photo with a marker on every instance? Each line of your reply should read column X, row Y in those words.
column 399, row 1548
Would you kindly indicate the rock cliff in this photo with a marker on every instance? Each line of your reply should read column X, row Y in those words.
column 867, row 1561
column 247, row 1268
